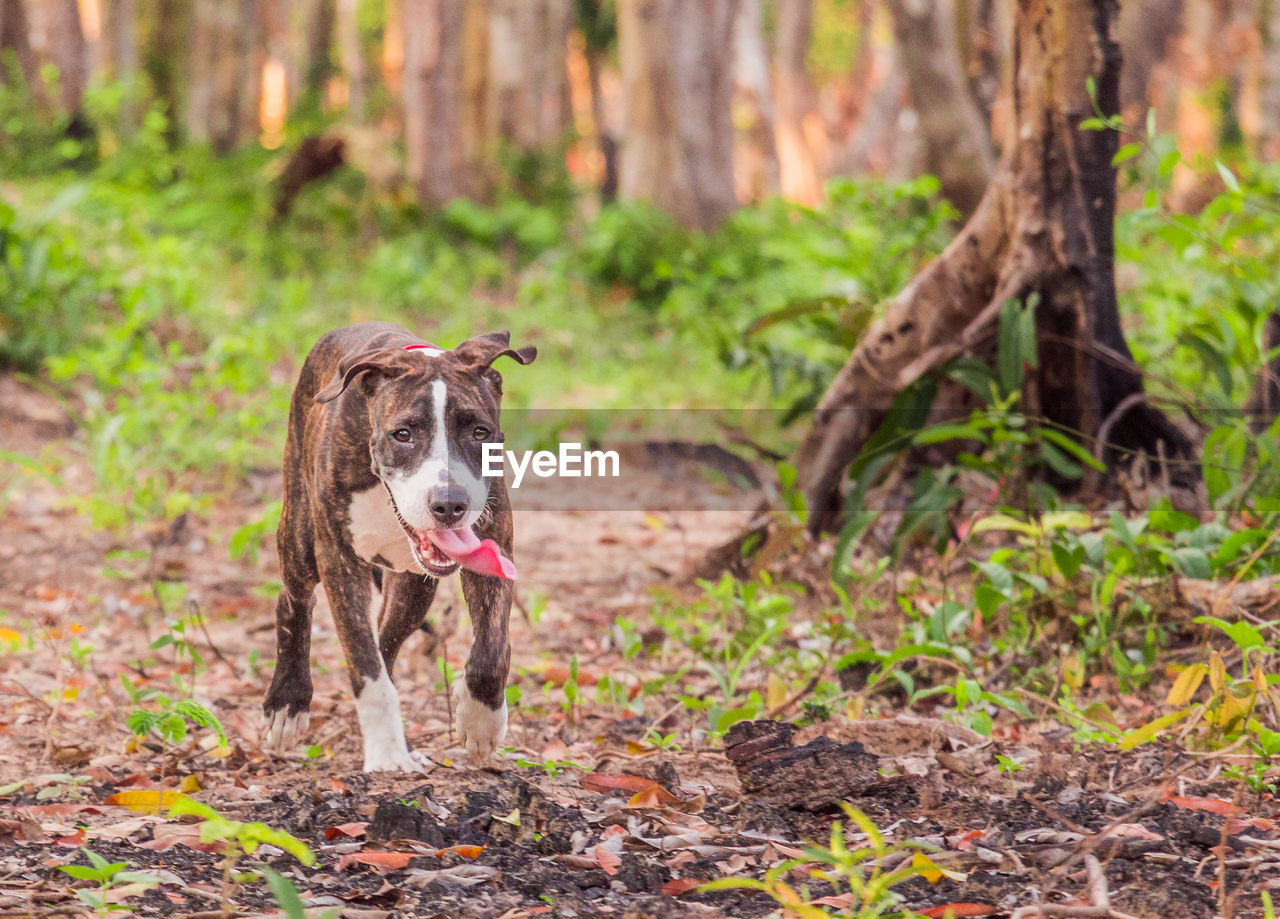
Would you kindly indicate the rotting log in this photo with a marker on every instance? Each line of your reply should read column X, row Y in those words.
column 814, row 777
column 1043, row 228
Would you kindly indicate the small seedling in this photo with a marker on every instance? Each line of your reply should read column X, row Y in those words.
column 107, row 875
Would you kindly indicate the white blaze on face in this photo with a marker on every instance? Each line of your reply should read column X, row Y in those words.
column 440, row 467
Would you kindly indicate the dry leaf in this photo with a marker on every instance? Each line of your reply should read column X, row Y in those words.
column 595, row 781
column 957, row 910
column 345, row 829
column 147, row 801
column 677, row 886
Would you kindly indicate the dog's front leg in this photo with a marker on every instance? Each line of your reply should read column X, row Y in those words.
column 348, row 582
column 481, row 695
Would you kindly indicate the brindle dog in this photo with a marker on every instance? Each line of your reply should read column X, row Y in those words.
column 382, row 470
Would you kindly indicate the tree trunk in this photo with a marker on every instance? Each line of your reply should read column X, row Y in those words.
column 69, row 53
column 202, row 75
column 757, row 173
column 793, row 93
column 433, row 89
column 675, row 58
column 317, row 62
column 1147, row 30
column 759, row 162
column 1044, row 228
column 15, row 38
column 528, row 85
column 121, row 39
column 352, row 59
column 957, row 149
column 165, row 55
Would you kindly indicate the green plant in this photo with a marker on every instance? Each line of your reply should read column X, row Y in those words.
column 238, row 840
column 107, row 875
column 861, row 870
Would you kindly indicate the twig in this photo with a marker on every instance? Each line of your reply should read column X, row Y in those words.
column 193, row 609
column 804, row 691
column 1060, row 911
column 1098, row 894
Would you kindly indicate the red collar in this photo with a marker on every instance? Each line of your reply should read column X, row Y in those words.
column 423, row 347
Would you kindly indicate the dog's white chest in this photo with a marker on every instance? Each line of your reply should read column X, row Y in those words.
column 377, row 534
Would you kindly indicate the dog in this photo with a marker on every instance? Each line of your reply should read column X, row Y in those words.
column 383, row 480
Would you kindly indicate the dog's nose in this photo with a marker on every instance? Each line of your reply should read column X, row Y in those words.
column 448, row 504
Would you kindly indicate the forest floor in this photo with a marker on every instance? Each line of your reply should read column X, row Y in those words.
column 603, row 823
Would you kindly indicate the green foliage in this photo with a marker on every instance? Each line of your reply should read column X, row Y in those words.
column 107, row 875
column 241, row 838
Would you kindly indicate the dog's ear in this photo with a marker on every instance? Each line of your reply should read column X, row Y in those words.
column 372, row 366
column 479, row 352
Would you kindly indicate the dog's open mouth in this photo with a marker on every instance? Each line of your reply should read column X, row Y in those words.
column 442, row 552
column 431, row 557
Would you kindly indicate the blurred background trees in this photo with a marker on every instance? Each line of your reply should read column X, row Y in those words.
column 697, row 107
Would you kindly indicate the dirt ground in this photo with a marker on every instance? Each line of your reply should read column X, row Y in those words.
column 1166, row 829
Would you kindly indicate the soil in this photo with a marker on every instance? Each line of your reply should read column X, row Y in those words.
column 511, row 840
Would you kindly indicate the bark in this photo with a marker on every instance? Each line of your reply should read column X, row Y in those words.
column 352, row 59
column 433, row 85
column 317, row 59
column 15, row 39
column 528, row 104
column 814, row 777
column 956, row 145
column 1044, row 227
column 798, row 166
column 1269, row 141
column 676, row 63
column 759, row 161
column 165, row 56
column 1147, row 32
column 69, row 53
column 201, row 90
column 121, row 38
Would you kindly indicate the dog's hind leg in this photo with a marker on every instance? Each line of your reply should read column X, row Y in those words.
column 406, row 599
column 481, row 696
column 348, row 582
column 286, row 708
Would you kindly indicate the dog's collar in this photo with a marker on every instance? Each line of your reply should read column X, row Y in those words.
column 426, row 346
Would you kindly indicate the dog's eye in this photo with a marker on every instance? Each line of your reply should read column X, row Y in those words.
column 481, row 433
column 404, row 435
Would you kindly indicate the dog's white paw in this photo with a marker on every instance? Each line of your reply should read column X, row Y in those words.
column 481, row 729
column 282, row 731
column 385, row 750
column 387, row 758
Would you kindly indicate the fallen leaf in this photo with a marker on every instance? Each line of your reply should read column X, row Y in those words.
column 1213, row 805
column 168, row 835
column 677, row 886
column 957, row 910
column 190, row 784
column 842, row 901
column 1236, row 824
column 345, row 829
column 605, row 858
column 1134, row 831
column 56, row 810
column 389, row 860
column 596, row 781
column 146, row 801
column 75, row 840
column 964, row 843
column 341, row 787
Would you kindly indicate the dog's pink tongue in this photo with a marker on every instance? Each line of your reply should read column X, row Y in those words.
column 465, row 548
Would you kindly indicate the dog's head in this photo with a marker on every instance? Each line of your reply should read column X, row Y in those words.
column 431, row 412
